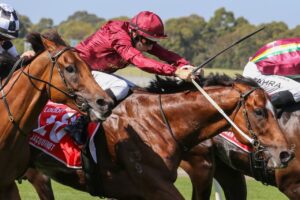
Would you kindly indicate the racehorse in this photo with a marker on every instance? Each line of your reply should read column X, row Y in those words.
column 56, row 73
column 228, row 164
column 147, row 135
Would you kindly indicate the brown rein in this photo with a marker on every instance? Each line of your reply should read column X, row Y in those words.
column 70, row 92
column 256, row 144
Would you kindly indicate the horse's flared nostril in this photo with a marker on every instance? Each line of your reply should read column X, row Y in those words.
column 286, row 156
column 101, row 102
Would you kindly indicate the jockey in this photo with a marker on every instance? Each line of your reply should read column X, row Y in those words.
column 118, row 44
column 9, row 30
column 274, row 67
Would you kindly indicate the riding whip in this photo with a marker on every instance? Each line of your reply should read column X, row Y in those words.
column 233, row 44
column 210, row 99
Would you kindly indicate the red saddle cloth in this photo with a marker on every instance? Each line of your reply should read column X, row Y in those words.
column 229, row 136
column 51, row 138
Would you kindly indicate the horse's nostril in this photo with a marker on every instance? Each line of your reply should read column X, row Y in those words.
column 101, row 102
column 286, row 156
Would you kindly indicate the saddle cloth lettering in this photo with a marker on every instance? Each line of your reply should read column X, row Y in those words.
column 51, row 138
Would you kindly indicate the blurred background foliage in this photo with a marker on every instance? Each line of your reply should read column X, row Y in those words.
column 191, row 36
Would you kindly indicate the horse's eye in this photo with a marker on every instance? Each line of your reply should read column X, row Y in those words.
column 70, row 69
column 260, row 112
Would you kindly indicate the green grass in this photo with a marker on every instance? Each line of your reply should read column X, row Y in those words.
column 256, row 191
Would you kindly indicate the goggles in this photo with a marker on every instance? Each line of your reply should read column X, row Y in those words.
column 145, row 41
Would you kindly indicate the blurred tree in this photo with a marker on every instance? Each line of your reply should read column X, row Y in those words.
column 184, row 35
column 25, row 25
column 190, row 36
column 76, row 30
column 43, row 25
column 222, row 22
column 19, row 44
column 122, row 18
column 84, row 16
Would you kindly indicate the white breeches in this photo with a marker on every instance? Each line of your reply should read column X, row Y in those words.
column 118, row 86
column 272, row 83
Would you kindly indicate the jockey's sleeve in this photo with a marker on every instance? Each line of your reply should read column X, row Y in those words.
column 136, row 57
column 168, row 56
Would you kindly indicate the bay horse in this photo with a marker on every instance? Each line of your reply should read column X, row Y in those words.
column 228, row 164
column 147, row 135
column 56, row 73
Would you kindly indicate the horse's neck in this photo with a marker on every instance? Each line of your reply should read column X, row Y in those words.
column 187, row 113
column 203, row 118
column 26, row 97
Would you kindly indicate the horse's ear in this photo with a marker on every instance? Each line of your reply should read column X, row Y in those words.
column 49, row 45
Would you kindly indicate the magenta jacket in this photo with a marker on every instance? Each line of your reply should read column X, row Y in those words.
column 110, row 49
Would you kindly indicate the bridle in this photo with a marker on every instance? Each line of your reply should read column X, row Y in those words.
column 258, row 148
column 80, row 102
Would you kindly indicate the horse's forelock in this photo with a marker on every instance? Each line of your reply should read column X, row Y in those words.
column 35, row 40
column 53, row 36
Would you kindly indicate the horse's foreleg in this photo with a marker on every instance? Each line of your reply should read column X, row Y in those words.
column 41, row 183
column 198, row 164
column 10, row 192
column 232, row 182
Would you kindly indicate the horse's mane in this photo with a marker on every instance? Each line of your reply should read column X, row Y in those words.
column 247, row 81
column 171, row 85
column 35, row 39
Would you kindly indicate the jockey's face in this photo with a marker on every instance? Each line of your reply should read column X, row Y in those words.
column 142, row 43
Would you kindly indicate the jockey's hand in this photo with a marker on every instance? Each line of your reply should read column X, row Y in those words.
column 28, row 54
column 185, row 72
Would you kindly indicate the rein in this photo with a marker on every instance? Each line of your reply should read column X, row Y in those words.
column 181, row 144
column 256, row 143
column 70, row 92
column 258, row 148
column 204, row 93
column 83, row 106
column 253, row 140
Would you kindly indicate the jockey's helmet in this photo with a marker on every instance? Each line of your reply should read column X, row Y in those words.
column 148, row 25
column 9, row 22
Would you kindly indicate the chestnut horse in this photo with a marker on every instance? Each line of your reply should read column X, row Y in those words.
column 228, row 164
column 148, row 133
column 58, row 74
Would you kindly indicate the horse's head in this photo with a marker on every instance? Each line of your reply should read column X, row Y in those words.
column 256, row 118
column 70, row 76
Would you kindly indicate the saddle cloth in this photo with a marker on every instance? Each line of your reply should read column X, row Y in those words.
column 230, row 137
column 51, row 138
